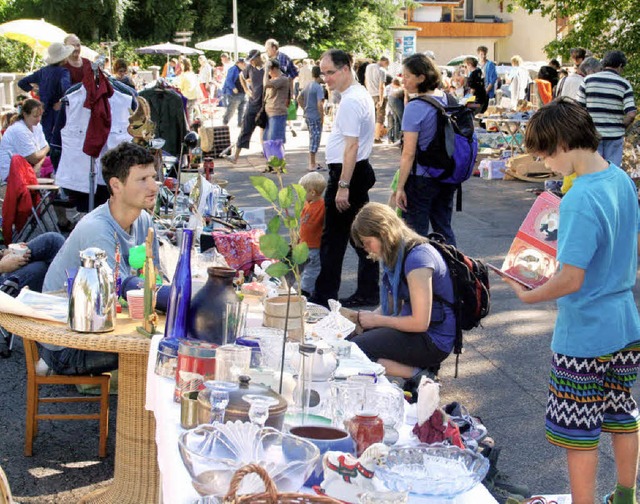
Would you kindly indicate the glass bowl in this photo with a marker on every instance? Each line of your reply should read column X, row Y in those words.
column 213, row 453
column 435, row 470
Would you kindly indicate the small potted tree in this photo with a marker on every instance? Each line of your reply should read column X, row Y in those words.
column 287, row 250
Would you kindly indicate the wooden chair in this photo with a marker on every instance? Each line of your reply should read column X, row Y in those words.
column 33, row 399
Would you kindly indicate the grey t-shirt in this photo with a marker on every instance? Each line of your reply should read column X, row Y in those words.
column 98, row 229
column 312, row 95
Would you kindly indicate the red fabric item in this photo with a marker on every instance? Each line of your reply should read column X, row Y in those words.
column 545, row 90
column 241, row 249
column 47, row 168
column 100, row 123
column 18, row 201
column 78, row 73
column 435, row 430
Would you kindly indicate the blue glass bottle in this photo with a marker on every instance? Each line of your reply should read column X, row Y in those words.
column 180, row 295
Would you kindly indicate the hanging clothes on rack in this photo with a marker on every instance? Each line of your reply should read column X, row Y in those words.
column 75, row 126
column 167, row 112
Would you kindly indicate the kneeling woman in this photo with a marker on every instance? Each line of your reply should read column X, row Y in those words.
column 412, row 329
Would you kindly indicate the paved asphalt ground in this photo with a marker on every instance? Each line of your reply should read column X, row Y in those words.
column 503, row 372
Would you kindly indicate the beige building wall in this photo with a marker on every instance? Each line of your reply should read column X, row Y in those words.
column 530, row 34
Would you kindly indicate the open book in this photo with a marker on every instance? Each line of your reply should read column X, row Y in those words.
column 531, row 260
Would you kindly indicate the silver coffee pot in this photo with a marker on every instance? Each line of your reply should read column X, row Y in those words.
column 92, row 306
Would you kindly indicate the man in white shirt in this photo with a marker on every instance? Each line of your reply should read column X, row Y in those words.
column 350, row 177
column 375, row 77
column 205, row 75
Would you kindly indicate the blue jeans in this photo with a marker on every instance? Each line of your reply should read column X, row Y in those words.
column 71, row 361
column 235, row 102
column 43, row 250
column 276, row 128
column 311, row 271
column 429, row 201
column 611, row 150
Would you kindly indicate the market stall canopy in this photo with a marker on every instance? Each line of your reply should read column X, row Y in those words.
column 226, row 43
column 168, row 49
column 459, row 60
column 36, row 33
column 294, row 52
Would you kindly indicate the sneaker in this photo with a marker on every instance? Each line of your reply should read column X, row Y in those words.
column 42, row 368
column 356, row 300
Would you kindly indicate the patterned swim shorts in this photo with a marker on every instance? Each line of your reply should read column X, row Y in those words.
column 591, row 395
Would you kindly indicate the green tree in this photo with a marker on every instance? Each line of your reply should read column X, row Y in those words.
column 90, row 19
column 596, row 25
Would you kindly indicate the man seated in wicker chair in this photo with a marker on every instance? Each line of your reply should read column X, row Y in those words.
column 130, row 174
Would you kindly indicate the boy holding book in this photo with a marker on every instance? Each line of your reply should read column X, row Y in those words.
column 596, row 340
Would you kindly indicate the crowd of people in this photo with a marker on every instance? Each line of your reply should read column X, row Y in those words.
column 578, row 132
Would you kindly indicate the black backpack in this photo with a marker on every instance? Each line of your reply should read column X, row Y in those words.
column 472, row 298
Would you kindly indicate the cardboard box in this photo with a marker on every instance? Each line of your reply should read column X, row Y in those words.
column 492, row 169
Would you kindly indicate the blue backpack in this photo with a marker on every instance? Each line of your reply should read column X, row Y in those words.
column 452, row 153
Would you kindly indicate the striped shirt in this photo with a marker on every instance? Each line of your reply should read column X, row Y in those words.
column 608, row 98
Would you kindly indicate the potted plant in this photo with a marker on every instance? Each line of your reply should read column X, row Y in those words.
column 287, row 250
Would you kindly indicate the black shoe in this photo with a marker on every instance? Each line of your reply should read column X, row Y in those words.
column 357, row 300
column 318, row 300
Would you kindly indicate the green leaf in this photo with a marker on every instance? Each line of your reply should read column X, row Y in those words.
column 300, row 253
column 274, row 225
column 300, row 191
column 290, row 222
column 266, row 187
column 277, row 270
column 274, row 246
column 298, row 208
column 285, row 197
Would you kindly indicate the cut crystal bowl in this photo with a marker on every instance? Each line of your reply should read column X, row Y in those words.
column 435, row 470
column 213, row 453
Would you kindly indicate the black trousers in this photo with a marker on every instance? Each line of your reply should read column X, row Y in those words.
column 336, row 234
column 248, row 124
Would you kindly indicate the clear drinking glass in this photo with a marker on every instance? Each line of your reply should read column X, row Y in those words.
column 387, row 400
column 232, row 361
column 347, row 399
column 259, row 408
column 235, row 321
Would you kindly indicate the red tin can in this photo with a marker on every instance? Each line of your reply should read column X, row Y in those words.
column 196, row 364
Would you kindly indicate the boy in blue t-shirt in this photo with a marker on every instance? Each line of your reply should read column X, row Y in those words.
column 596, row 340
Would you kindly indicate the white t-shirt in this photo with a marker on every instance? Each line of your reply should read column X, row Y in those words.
column 19, row 139
column 373, row 74
column 356, row 117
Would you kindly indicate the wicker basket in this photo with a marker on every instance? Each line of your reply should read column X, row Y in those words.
column 270, row 495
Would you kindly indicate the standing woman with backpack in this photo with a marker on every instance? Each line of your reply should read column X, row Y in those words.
column 414, row 327
column 422, row 198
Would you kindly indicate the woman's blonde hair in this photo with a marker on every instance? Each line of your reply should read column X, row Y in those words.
column 516, row 60
column 381, row 221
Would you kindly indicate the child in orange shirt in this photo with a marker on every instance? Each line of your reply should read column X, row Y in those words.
column 312, row 220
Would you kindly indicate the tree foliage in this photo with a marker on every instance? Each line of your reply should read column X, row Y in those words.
column 596, row 25
column 360, row 26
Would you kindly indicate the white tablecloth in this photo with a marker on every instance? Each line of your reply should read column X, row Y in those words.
column 176, row 483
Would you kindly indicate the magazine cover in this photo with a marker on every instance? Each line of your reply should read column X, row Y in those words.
column 36, row 305
column 531, row 260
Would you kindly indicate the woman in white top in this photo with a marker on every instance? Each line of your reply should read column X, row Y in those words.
column 25, row 138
